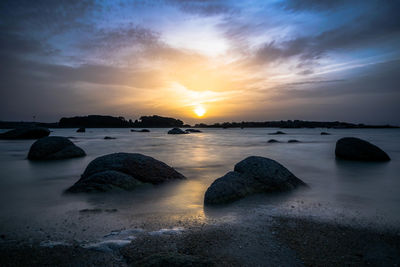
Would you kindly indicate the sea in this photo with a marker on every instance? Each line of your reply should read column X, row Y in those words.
column 33, row 205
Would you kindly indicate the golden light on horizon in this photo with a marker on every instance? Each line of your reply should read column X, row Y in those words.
column 200, row 111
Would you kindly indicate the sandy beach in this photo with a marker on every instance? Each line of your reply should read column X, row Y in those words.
column 253, row 241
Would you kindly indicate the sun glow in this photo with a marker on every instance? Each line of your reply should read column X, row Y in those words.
column 200, row 111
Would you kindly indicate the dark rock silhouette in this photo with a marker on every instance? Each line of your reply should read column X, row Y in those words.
column 95, row 121
column 105, row 181
column 54, row 148
column 351, row 148
column 140, row 131
column 123, row 171
column 158, row 121
column 109, row 138
column 81, row 130
column 177, row 131
column 251, row 175
column 293, row 141
column 325, row 133
column 26, row 133
column 193, row 131
column 277, row 132
column 273, row 141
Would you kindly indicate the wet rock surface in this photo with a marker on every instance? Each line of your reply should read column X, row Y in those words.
column 26, row 133
column 351, row 148
column 54, row 148
column 123, row 171
column 251, row 175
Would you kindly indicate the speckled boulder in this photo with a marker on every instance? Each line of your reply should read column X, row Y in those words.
column 54, row 148
column 351, row 148
column 125, row 171
column 26, row 133
column 251, row 175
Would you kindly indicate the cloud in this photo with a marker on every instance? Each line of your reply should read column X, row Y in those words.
column 205, row 7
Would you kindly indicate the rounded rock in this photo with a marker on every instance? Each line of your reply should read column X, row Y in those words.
column 351, row 148
column 54, row 148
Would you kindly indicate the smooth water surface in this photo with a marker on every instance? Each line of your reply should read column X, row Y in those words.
column 32, row 202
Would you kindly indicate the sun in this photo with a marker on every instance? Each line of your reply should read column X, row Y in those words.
column 200, row 111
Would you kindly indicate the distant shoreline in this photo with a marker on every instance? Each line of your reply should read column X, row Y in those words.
column 155, row 121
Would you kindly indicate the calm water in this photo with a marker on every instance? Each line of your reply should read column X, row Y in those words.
column 33, row 205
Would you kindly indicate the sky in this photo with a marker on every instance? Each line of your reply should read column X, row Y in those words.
column 231, row 60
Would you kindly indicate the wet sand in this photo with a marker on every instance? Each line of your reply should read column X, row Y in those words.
column 262, row 241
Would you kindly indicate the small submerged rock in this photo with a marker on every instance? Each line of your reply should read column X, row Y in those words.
column 277, row 132
column 251, row 175
column 325, row 133
column 293, row 141
column 140, row 131
column 26, row 133
column 351, row 148
column 177, row 131
column 193, row 131
column 124, row 171
column 109, row 138
column 81, row 130
column 273, row 141
column 54, row 148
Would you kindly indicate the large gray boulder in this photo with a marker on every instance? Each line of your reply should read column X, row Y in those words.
column 351, row 148
column 26, row 133
column 124, row 171
column 53, row 148
column 251, row 175
column 177, row 131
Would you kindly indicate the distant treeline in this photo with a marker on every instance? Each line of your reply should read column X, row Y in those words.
column 100, row 121
column 290, row 124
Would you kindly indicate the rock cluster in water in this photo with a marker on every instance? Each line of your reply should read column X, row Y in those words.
column 54, row 148
column 26, row 133
column 81, row 130
column 177, row 131
column 123, row 171
column 351, row 148
column 251, row 175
